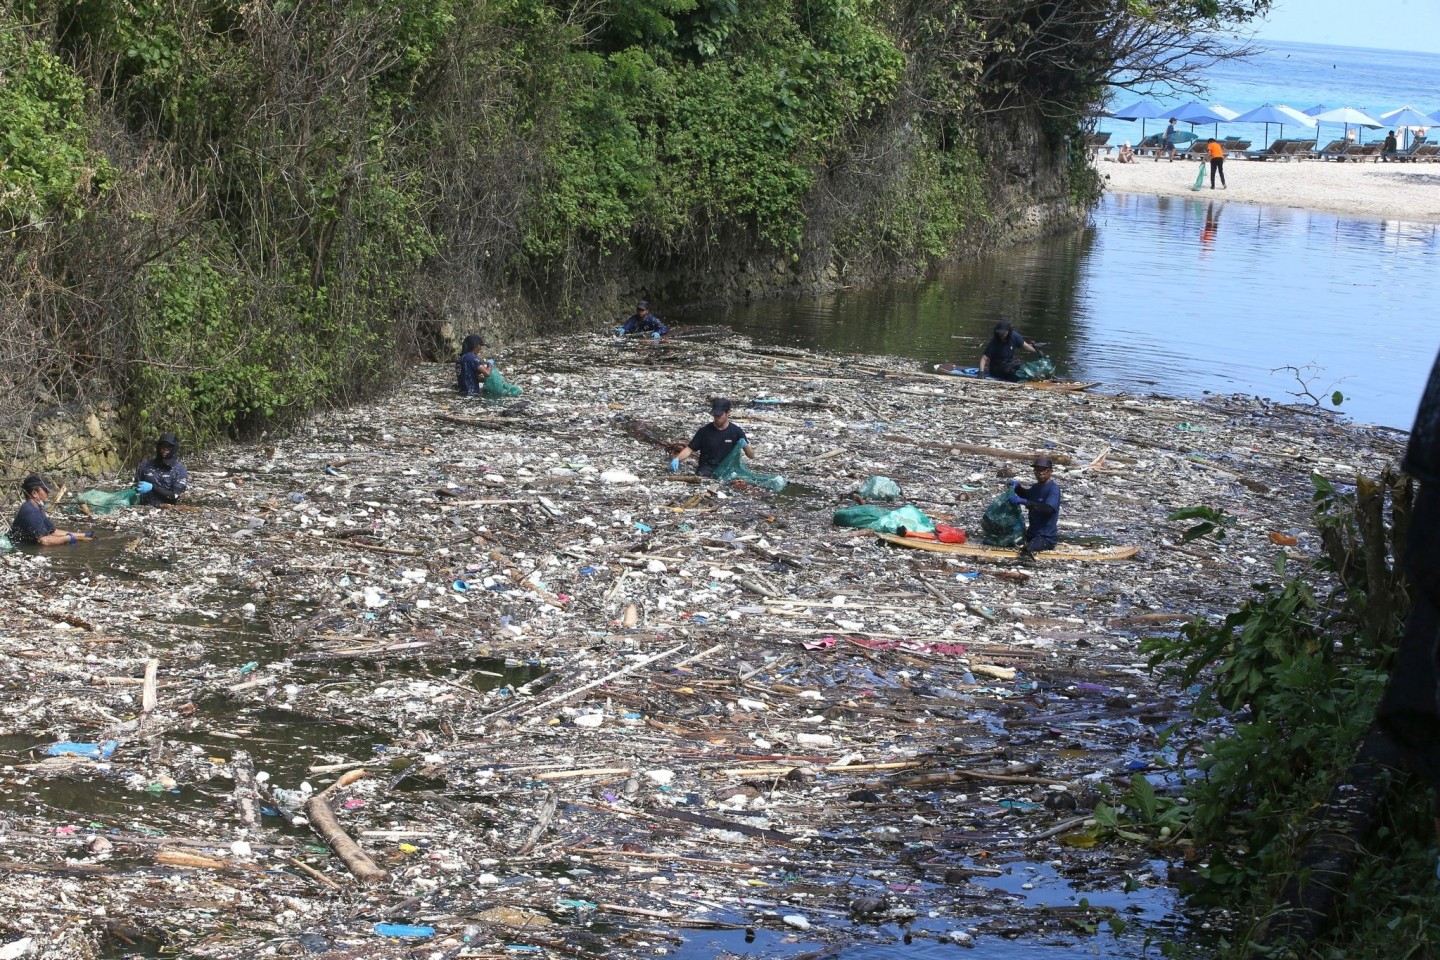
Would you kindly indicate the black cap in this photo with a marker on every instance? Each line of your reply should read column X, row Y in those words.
column 643, row 305
column 718, row 406
column 1003, row 326
column 34, row 482
column 1042, row 463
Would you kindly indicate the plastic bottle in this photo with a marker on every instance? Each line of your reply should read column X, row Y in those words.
column 470, row 934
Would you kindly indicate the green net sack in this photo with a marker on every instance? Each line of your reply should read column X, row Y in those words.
column 1042, row 368
column 880, row 488
column 883, row 519
column 497, row 386
column 5, row 545
column 101, row 502
column 1003, row 525
column 733, row 468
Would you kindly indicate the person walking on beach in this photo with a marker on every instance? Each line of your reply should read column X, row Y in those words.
column 713, row 442
column 1217, row 162
column 998, row 360
column 1391, row 148
column 1167, row 142
column 643, row 321
column 31, row 525
column 162, row 478
column 1042, row 500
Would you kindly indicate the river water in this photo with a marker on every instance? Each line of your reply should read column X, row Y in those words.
column 1177, row 296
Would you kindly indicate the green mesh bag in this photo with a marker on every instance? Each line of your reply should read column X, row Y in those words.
column 733, row 468
column 497, row 386
column 1003, row 525
column 5, row 545
column 101, row 502
column 880, row 488
column 883, row 519
column 1042, row 368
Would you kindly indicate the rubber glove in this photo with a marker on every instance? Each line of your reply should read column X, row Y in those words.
column 1013, row 482
column 144, row 487
column 675, row 465
column 619, row 331
column 489, row 363
column 88, row 534
column 1015, row 500
column 655, row 335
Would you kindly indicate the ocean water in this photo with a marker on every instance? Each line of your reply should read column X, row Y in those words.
column 1300, row 75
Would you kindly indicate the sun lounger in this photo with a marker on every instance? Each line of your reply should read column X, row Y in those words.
column 1409, row 153
column 1298, row 149
column 1095, row 142
column 1275, row 150
column 1429, row 153
column 1235, row 149
column 1332, row 150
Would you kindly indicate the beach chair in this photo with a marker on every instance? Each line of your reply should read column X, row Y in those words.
column 1298, row 149
column 1276, row 149
column 1095, row 142
column 1332, row 150
column 1408, row 154
column 1235, row 147
column 1428, row 153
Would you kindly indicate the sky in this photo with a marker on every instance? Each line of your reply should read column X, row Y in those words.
column 1384, row 24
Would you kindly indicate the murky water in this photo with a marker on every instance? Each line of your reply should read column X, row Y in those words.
column 1168, row 295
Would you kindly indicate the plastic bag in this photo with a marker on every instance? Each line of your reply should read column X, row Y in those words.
column 1003, row 524
column 101, row 502
column 882, row 520
column 5, row 545
column 733, row 468
column 497, row 386
column 880, row 488
column 1041, row 368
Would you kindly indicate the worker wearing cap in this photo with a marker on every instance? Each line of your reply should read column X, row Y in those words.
column 1042, row 500
column 643, row 321
column 714, row 441
column 32, row 525
column 998, row 360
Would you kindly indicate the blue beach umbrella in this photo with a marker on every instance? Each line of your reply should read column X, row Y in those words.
column 1270, row 113
column 1435, row 116
column 1407, row 119
column 1141, row 110
column 1349, row 117
column 1195, row 112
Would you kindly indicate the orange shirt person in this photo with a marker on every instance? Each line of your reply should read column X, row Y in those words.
column 1217, row 163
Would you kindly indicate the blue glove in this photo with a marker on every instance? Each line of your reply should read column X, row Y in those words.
column 619, row 331
column 655, row 335
column 489, row 363
column 1013, row 482
column 88, row 534
column 675, row 465
column 1015, row 500
column 144, row 487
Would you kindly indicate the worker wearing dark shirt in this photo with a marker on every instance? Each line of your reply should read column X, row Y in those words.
column 1042, row 500
column 471, row 368
column 643, row 321
column 998, row 360
column 713, row 442
column 162, row 478
column 32, row 525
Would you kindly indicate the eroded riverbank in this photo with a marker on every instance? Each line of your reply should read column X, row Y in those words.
column 605, row 711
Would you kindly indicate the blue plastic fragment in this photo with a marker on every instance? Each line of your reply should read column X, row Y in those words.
column 587, row 571
column 247, row 667
column 642, row 527
column 408, row 930
column 967, row 575
column 71, row 748
column 460, row 586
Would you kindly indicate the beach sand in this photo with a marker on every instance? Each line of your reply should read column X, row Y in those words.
column 1384, row 191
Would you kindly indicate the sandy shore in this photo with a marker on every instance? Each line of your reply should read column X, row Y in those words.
column 1388, row 191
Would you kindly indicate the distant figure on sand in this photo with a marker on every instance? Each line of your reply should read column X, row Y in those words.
column 1217, row 162
column 1167, row 142
column 1042, row 500
column 32, row 526
column 1126, row 155
column 643, row 321
column 1387, row 152
column 998, row 360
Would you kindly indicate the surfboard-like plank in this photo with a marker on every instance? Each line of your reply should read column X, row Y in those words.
column 979, row 551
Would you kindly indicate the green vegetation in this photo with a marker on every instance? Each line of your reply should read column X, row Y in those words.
column 1287, row 688
column 227, row 213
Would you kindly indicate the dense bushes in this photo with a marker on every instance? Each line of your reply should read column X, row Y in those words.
column 227, row 212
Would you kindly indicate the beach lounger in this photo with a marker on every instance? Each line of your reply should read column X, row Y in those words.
column 1409, row 153
column 1429, row 153
column 1332, row 150
column 1095, row 142
column 1235, row 148
column 1276, row 149
column 1298, row 149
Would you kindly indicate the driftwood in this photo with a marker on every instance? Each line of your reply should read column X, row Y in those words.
column 246, row 795
column 147, row 694
column 322, row 818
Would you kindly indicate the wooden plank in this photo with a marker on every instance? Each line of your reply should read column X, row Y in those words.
column 1001, row 553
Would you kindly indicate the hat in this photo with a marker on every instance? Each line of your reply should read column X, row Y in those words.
column 1003, row 326
column 1042, row 463
column 34, row 482
column 718, row 406
column 643, row 305
column 1172, row 119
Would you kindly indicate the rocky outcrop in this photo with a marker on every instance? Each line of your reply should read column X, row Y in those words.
column 68, row 440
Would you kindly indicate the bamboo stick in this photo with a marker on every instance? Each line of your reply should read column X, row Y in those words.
column 322, row 819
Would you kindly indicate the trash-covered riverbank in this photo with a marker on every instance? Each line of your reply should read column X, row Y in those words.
column 484, row 679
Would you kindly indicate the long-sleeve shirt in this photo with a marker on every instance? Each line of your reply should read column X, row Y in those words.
column 168, row 482
column 1043, row 502
column 646, row 324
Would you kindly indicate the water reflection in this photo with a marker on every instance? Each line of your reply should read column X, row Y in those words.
column 1176, row 295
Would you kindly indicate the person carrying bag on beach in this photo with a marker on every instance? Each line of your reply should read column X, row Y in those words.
column 1217, row 163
